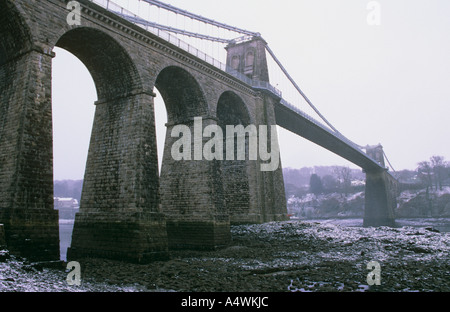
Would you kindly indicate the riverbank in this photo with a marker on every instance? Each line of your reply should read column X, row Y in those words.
column 286, row 256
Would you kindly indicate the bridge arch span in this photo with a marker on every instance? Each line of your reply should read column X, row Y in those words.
column 232, row 111
column 112, row 69
column 191, row 189
column 124, row 202
column 182, row 94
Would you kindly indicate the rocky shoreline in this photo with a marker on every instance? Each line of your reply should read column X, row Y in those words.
column 291, row 256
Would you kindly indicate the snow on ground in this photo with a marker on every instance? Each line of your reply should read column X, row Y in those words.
column 276, row 256
column 17, row 275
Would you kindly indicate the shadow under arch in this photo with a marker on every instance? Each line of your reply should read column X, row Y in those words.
column 232, row 111
column 191, row 189
column 112, row 69
column 182, row 94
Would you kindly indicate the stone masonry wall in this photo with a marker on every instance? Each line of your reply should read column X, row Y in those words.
column 126, row 211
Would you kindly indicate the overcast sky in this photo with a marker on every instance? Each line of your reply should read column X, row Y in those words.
column 387, row 84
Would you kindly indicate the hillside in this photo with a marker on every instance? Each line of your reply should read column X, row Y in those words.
column 333, row 202
column 68, row 189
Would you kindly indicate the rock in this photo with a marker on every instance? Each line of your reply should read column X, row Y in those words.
column 4, row 255
column 2, row 236
column 432, row 230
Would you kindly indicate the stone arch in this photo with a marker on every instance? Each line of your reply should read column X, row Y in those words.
column 110, row 65
column 191, row 189
column 182, row 94
column 121, row 178
column 232, row 111
column 250, row 58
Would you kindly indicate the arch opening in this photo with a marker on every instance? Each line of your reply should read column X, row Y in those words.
column 111, row 67
column 95, row 67
column 182, row 95
column 73, row 97
column 191, row 189
column 183, row 100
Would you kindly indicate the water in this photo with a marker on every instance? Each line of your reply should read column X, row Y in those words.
column 65, row 237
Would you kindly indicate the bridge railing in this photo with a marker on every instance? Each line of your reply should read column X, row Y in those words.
column 338, row 135
column 167, row 36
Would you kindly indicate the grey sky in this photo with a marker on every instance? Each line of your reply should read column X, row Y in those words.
column 387, row 84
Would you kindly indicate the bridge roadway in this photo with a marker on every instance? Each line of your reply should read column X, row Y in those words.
column 295, row 120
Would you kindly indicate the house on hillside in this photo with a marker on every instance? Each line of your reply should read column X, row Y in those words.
column 67, row 207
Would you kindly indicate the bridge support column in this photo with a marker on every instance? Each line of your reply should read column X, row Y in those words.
column 119, row 214
column 192, row 198
column 380, row 200
column 26, row 169
column 272, row 190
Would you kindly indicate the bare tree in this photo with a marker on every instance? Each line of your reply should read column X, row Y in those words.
column 315, row 184
column 425, row 174
column 438, row 165
column 344, row 177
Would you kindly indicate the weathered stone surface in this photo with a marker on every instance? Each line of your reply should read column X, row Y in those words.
column 380, row 199
column 2, row 236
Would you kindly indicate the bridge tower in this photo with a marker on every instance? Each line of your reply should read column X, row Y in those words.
column 247, row 55
column 376, row 152
column 380, row 192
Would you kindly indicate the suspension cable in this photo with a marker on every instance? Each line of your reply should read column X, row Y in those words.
column 299, row 90
column 200, row 18
column 246, row 33
column 176, row 10
column 138, row 20
column 385, row 156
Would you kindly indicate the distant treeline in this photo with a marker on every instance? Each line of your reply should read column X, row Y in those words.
column 321, row 179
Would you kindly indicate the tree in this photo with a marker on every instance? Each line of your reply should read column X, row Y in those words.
column 344, row 177
column 330, row 184
column 315, row 184
column 424, row 172
column 438, row 165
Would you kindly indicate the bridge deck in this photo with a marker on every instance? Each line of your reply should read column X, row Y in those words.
column 292, row 119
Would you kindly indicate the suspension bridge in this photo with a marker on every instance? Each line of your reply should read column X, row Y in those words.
column 128, row 210
column 355, row 154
